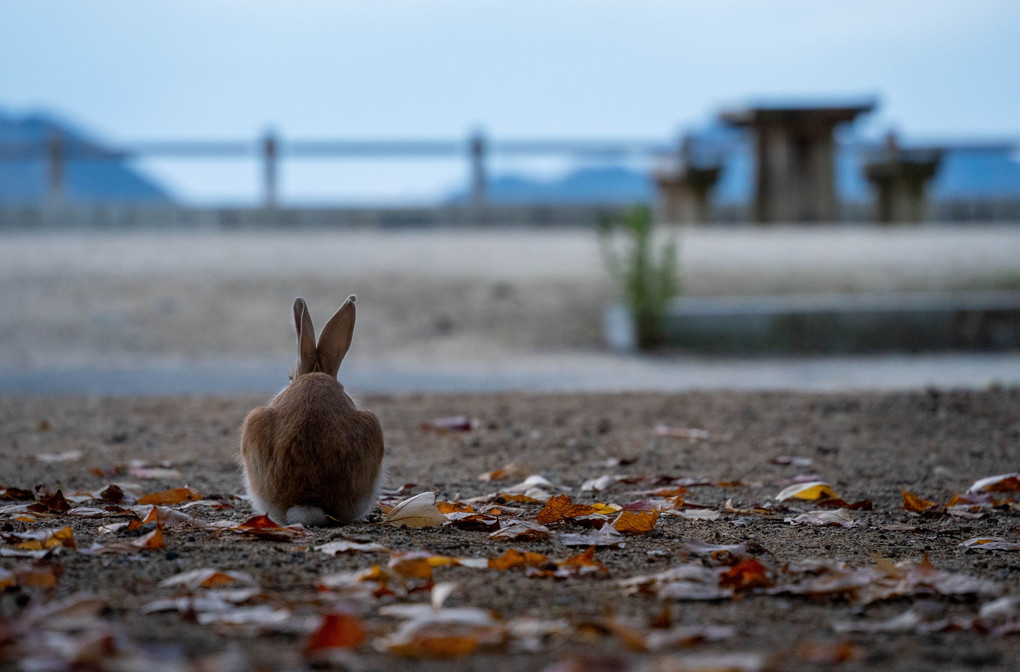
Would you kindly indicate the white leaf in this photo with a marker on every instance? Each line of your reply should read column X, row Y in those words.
column 417, row 511
column 345, row 546
column 837, row 517
column 985, row 483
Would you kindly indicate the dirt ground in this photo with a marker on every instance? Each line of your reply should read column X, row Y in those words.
column 933, row 444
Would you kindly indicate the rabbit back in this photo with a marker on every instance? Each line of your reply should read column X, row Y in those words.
column 311, row 455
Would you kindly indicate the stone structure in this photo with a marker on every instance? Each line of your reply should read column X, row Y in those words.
column 900, row 178
column 795, row 160
column 684, row 185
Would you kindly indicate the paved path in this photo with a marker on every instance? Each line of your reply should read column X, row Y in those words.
column 593, row 372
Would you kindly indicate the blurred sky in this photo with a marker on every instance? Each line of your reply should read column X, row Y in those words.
column 217, row 69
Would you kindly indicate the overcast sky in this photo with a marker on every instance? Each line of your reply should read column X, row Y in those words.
column 133, row 69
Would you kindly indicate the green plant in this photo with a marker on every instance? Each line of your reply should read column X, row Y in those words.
column 644, row 269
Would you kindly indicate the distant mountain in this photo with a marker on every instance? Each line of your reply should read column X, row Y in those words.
column 600, row 184
column 23, row 178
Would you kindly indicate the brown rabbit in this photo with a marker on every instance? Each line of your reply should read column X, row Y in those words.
column 311, row 456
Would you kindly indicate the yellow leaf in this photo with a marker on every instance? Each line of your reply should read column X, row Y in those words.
column 809, row 491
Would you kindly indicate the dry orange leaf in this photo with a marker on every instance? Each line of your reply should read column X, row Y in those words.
column 412, row 566
column 514, row 558
column 560, row 507
column 172, row 496
column 914, row 503
column 337, row 631
column 454, row 507
column 745, row 575
column 436, row 646
column 506, row 498
column 635, row 522
column 152, row 541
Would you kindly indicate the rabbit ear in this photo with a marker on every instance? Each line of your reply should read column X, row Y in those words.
column 305, row 336
column 335, row 340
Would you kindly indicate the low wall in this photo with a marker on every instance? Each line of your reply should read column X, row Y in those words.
column 838, row 324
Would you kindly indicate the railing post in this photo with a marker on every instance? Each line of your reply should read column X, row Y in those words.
column 269, row 158
column 478, row 169
column 55, row 158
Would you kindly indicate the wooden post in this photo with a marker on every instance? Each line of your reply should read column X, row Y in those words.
column 269, row 157
column 478, row 169
column 55, row 158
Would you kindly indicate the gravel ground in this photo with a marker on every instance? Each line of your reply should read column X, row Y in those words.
column 867, row 446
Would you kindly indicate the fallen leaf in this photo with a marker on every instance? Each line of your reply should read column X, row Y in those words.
column 683, row 582
column 455, row 423
column 789, row 460
column 682, row 433
column 582, row 564
column 507, row 498
column 746, row 575
column 508, row 471
column 520, row 530
column 514, row 559
column 839, row 517
column 454, row 507
column 417, row 511
column 607, row 536
column 991, row 544
column 439, row 633
column 150, row 513
column 914, row 503
column 172, row 496
column 345, row 546
column 600, row 484
column 41, row 574
column 473, row 521
column 69, row 456
column 336, row 630
column 695, row 514
column 412, row 566
column 718, row 554
column 258, row 615
column 207, row 577
column 152, row 541
column 560, row 507
column 38, row 543
column 862, row 505
column 55, row 503
column 16, row 494
column 264, row 527
column 154, row 474
column 807, row 491
column 1001, row 483
column 635, row 522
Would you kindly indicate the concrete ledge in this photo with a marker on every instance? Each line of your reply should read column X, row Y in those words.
column 141, row 217
column 915, row 322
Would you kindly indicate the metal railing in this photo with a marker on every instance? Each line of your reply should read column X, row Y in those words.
column 57, row 150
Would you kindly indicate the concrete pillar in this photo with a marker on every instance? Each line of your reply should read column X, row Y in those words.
column 478, row 188
column 270, row 156
column 56, row 160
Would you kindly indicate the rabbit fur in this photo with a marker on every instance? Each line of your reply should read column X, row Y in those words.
column 310, row 456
